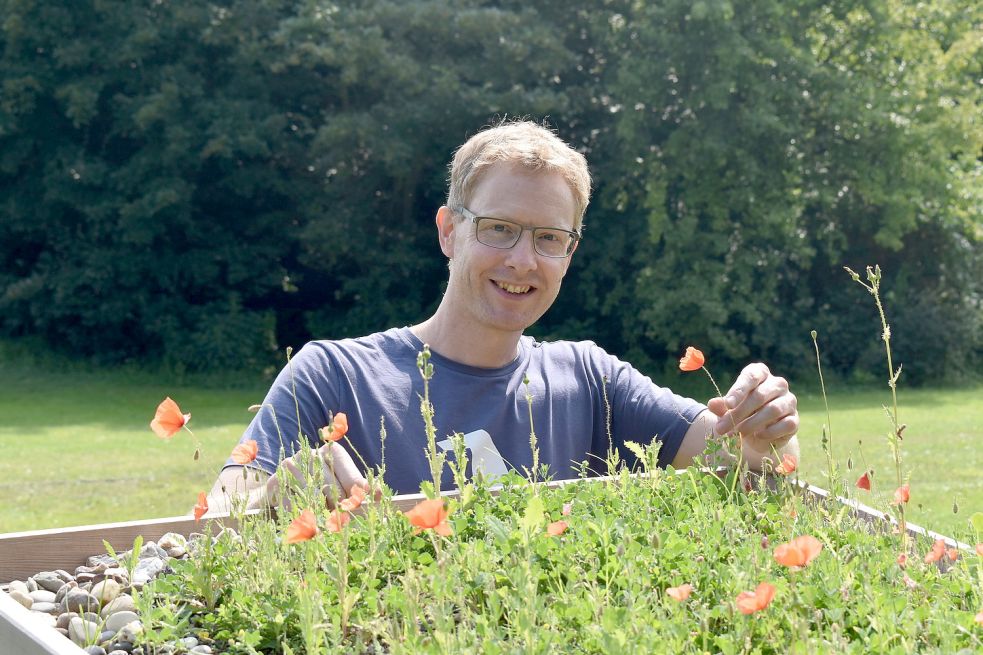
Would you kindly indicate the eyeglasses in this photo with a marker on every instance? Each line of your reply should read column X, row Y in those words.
column 500, row 233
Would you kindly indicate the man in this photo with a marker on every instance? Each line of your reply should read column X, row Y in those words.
column 509, row 230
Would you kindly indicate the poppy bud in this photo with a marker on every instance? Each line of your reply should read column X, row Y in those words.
column 955, row 507
column 764, row 542
column 813, row 333
column 655, row 540
column 197, row 454
column 849, row 463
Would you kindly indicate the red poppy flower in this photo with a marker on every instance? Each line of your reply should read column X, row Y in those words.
column 680, row 593
column 245, row 452
column 788, row 465
column 556, row 528
column 938, row 550
column 303, row 528
column 354, row 501
column 337, row 429
column 901, row 495
column 953, row 553
column 692, row 360
column 202, row 507
column 430, row 515
column 337, row 520
column 798, row 552
column 168, row 419
column 863, row 481
column 749, row 602
column 902, row 560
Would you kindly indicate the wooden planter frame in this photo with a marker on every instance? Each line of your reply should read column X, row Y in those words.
column 22, row 554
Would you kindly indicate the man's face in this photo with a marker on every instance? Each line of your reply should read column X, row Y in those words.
column 506, row 290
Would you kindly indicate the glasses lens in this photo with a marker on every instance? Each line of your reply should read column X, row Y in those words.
column 553, row 243
column 496, row 233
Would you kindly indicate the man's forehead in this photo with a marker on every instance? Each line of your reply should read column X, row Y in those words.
column 523, row 195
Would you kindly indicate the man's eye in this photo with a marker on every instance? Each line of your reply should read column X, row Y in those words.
column 549, row 236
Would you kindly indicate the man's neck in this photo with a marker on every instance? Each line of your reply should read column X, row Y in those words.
column 481, row 348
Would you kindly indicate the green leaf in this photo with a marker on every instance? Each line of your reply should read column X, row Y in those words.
column 533, row 519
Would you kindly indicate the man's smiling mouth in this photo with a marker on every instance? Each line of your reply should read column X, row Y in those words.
column 514, row 288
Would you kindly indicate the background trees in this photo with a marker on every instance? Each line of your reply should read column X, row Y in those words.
column 201, row 185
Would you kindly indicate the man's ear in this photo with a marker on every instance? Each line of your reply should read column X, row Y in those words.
column 445, row 230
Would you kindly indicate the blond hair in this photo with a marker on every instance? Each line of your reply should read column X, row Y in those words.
column 521, row 143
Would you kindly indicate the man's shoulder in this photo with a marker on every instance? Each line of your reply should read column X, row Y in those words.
column 376, row 346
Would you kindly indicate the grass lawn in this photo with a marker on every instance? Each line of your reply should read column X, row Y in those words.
column 76, row 446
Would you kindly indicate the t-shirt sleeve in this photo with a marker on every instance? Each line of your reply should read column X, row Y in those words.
column 642, row 411
column 281, row 424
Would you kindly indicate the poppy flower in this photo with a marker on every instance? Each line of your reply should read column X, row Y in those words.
column 245, row 452
column 863, row 481
column 556, row 528
column 788, row 465
column 979, row 549
column 430, row 515
column 337, row 520
column 749, row 602
column 953, row 554
column 680, row 593
column 168, row 419
column 798, row 552
column 303, row 528
column 337, row 429
column 938, row 550
column 202, row 507
column 692, row 360
column 902, row 560
column 354, row 501
column 901, row 495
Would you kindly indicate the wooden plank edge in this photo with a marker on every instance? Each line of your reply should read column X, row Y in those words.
column 25, row 634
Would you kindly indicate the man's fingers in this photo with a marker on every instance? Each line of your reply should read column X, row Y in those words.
column 749, row 379
column 773, row 389
column 345, row 471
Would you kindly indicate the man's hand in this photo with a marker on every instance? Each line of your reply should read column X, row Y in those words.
column 759, row 407
column 338, row 473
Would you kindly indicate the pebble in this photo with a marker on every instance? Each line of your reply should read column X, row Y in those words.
column 79, row 600
column 146, row 571
column 18, row 585
column 63, row 619
column 96, row 560
column 106, row 591
column 122, row 603
column 31, row 585
column 188, row 642
column 106, row 635
column 43, row 596
column 202, row 650
column 21, row 597
column 116, row 621
column 65, row 588
column 173, row 544
column 130, row 631
column 95, row 650
column 45, row 608
column 81, row 631
column 48, row 580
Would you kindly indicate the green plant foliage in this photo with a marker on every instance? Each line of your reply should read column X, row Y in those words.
column 500, row 583
column 203, row 184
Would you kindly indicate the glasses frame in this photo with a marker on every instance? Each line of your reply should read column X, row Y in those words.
column 474, row 218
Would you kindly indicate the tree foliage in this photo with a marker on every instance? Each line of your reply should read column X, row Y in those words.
column 203, row 183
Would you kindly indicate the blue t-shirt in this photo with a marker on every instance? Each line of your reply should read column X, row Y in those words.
column 375, row 378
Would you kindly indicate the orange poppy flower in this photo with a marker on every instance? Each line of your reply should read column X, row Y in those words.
column 245, row 452
column 680, row 593
column 168, row 419
column 430, row 515
column 902, row 560
column 979, row 549
column 337, row 520
column 902, row 495
column 788, row 465
column 938, row 550
column 303, row 528
column 202, row 507
column 863, row 481
column 337, row 429
column 749, row 602
column 953, row 554
column 354, row 501
column 692, row 360
column 556, row 528
column 798, row 552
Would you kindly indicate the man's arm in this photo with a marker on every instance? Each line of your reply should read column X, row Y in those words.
column 759, row 407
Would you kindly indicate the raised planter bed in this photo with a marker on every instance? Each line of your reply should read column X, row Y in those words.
column 26, row 553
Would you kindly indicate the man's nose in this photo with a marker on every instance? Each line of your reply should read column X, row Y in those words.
column 523, row 256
